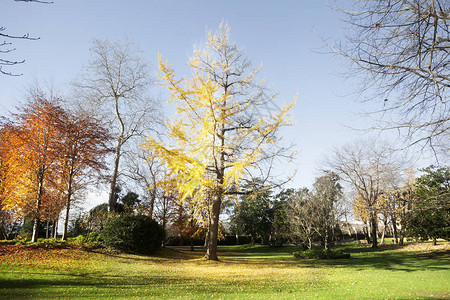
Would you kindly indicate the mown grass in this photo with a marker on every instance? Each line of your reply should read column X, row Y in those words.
column 243, row 272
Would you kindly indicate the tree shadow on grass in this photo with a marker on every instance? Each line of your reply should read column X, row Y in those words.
column 165, row 255
column 387, row 257
column 394, row 261
column 80, row 285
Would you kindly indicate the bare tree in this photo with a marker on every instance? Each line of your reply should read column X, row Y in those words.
column 114, row 86
column 402, row 49
column 370, row 167
column 300, row 211
column 146, row 170
column 6, row 45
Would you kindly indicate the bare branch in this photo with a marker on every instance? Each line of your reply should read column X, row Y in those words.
column 402, row 49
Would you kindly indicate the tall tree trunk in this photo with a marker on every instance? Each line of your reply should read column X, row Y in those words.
column 68, row 200
column 112, row 195
column 117, row 154
column 325, row 244
column 373, row 221
column 55, row 229
column 36, row 224
column 3, row 234
column 394, row 230
column 366, row 234
column 34, row 237
column 47, row 229
column 152, row 202
column 207, row 236
column 66, row 221
column 384, row 232
column 356, row 234
column 211, row 250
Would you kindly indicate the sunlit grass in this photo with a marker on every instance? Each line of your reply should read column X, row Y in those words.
column 246, row 272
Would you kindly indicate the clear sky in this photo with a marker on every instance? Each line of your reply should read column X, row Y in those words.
column 283, row 36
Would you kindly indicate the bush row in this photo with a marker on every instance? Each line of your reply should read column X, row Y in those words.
column 321, row 254
column 130, row 233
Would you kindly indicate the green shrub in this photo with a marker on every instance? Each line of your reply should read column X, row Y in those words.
column 93, row 237
column 79, row 240
column 321, row 254
column 22, row 240
column 139, row 234
column 87, row 242
column 44, row 243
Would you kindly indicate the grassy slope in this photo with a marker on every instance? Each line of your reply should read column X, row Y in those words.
column 247, row 272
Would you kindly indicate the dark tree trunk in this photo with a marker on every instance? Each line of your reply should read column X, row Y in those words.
column 68, row 202
column 152, row 203
column 384, row 231
column 374, row 231
column 112, row 195
column 211, row 250
column 34, row 238
column 366, row 234
column 47, row 229
column 394, row 231
column 66, row 221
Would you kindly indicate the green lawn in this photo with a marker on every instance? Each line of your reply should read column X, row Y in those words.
column 243, row 272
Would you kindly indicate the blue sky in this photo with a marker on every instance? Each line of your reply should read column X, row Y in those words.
column 283, row 36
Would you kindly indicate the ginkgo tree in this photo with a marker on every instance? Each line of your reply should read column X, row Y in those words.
column 219, row 137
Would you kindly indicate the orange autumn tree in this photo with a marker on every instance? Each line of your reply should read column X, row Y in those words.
column 32, row 151
column 222, row 135
column 7, row 215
